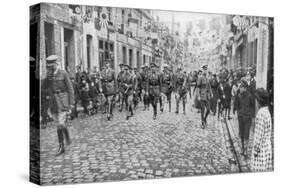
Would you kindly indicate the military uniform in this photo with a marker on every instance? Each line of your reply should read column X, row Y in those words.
column 61, row 93
column 154, row 84
column 167, row 86
column 205, row 95
column 127, row 82
column 181, row 90
column 109, row 90
column 144, row 79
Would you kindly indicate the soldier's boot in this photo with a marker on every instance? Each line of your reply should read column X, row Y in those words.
column 154, row 114
column 66, row 134
column 206, row 116
column 132, row 111
column 177, row 107
column 60, row 138
column 183, row 105
column 161, row 104
column 170, row 105
column 121, row 105
column 111, row 109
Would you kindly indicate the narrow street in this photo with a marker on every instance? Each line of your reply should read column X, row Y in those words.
column 171, row 146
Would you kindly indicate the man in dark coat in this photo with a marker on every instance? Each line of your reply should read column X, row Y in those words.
column 214, row 86
column 84, row 93
column 61, row 99
column 227, row 90
column 244, row 110
column 94, row 91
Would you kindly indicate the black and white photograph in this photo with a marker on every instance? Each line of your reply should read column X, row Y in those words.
column 128, row 93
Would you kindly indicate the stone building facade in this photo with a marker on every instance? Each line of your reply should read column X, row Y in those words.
column 85, row 36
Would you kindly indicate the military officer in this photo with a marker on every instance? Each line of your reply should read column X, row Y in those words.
column 181, row 89
column 127, row 82
column 144, row 79
column 153, row 89
column 61, row 99
column 109, row 88
column 167, row 84
column 205, row 94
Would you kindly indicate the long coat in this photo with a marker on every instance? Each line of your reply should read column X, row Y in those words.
column 262, row 141
column 244, row 108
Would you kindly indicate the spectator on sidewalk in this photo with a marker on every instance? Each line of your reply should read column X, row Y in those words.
column 261, row 159
column 234, row 94
column 227, row 90
column 244, row 110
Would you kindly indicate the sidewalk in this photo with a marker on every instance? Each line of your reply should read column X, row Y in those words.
column 234, row 132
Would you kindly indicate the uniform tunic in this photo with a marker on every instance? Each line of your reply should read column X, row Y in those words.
column 262, row 141
column 167, row 83
column 154, row 84
column 180, row 82
column 108, row 82
column 204, row 88
column 60, row 89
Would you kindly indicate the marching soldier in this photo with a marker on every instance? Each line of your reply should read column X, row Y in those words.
column 153, row 89
column 109, row 88
column 119, row 78
column 167, row 85
column 127, row 82
column 144, row 79
column 181, row 90
column 61, row 99
column 205, row 94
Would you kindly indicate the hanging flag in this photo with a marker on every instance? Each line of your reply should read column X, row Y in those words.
column 76, row 9
column 103, row 18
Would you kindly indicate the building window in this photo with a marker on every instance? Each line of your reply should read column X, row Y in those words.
column 144, row 60
column 89, row 51
column 124, row 55
column 130, row 57
column 106, row 52
column 138, row 59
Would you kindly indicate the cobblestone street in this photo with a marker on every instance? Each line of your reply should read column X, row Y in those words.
column 170, row 146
